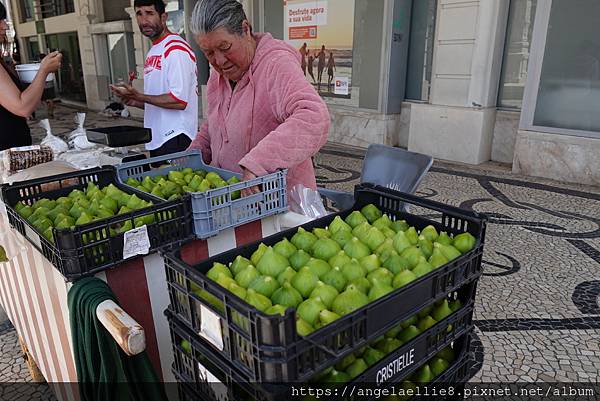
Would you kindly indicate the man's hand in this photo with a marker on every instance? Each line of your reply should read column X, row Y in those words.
column 128, row 95
column 246, row 176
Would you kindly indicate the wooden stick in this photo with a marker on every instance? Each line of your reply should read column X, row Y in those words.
column 126, row 331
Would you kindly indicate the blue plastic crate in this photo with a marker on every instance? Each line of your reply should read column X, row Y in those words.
column 214, row 210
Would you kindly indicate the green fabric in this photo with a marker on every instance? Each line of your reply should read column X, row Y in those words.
column 104, row 371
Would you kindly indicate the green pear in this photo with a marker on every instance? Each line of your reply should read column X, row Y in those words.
column 245, row 277
column 325, row 292
column 287, row 295
column 84, row 218
column 449, row 251
column 361, row 231
column 340, row 259
column 371, row 356
column 383, row 222
column 126, row 226
column 401, row 242
column 422, row 269
column 276, row 310
column 437, row 259
column 304, row 281
column 304, row 240
column 370, row 262
column 342, row 237
column 257, row 300
column 362, row 283
column 25, row 212
column 195, row 182
column 356, row 249
column 217, row 270
column 353, row 270
column 355, row 218
column 237, row 290
column 285, row 248
column 442, row 311
column 438, row 366
column 349, row 301
column 379, row 290
column 318, row 267
column 326, row 317
column 446, row 354
column 408, row 333
column 286, row 275
column 394, row 331
column 371, row 212
column 325, row 248
column 388, row 232
column 400, row 225
column 455, row 305
column 299, row 259
column 426, row 323
column 239, row 264
column 264, row 285
column 425, row 246
column 412, row 235
column 430, row 233
column 388, row 345
column 255, row 258
column 374, row 238
column 321, row 233
column 357, row 368
column 381, row 275
column 411, row 321
column 396, row 264
column 335, row 278
column 423, row 375
column 403, row 278
column 425, row 311
column 225, row 281
column 464, row 242
column 345, row 362
column 272, row 263
column 303, row 328
column 412, row 255
column 310, row 309
column 338, row 224
column 444, row 238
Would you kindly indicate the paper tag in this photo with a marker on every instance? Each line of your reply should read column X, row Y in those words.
column 33, row 236
column 136, row 242
column 217, row 385
column 342, row 86
column 210, row 327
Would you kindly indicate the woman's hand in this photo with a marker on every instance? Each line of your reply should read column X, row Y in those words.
column 51, row 63
column 246, row 176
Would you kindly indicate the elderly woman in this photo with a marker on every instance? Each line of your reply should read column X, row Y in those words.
column 263, row 115
column 17, row 104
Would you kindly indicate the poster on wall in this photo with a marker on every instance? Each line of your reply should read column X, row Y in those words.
column 323, row 33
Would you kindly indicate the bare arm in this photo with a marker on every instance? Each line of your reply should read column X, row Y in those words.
column 24, row 103
column 132, row 97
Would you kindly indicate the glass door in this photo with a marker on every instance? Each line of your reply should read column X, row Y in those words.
column 563, row 89
column 70, row 77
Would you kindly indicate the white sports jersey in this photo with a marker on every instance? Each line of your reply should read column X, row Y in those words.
column 170, row 68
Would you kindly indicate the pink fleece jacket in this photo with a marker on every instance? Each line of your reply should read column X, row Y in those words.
column 273, row 119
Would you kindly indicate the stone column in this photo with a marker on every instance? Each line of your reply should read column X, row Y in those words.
column 458, row 123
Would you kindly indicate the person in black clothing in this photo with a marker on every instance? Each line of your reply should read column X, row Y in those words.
column 17, row 104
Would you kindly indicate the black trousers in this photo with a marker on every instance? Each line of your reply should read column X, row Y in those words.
column 177, row 144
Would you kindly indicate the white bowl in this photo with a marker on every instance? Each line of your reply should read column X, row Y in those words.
column 27, row 72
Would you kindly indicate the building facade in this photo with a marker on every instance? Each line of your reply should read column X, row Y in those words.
column 512, row 81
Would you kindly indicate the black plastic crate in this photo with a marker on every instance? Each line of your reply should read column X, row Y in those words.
column 268, row 349
column 88, row 249
column 207, row 377
column 119, row 136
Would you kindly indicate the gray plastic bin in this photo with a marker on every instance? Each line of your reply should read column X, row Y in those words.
column 391, row 167
column 214, row 210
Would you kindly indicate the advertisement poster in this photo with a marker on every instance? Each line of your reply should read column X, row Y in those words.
column 323, row 33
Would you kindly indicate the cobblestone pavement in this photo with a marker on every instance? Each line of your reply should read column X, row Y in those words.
column 537, row 315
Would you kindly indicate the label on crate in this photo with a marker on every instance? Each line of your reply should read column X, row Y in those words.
column 220, row 390
column 210, row 327
column 136, row 242
column 396, row 366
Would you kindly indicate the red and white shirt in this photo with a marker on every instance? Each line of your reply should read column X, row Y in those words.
column 170, row 68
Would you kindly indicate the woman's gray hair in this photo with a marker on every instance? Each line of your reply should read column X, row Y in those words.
column 210, row 15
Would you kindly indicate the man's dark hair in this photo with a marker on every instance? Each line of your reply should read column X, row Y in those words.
column 159, row 6
column 2, row 11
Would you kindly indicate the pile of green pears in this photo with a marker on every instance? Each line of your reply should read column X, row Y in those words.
column 357, row 363
column 82, row 207
column 176, row 183
column 331, row 272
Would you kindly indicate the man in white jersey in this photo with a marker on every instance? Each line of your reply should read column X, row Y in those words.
column 170, row 98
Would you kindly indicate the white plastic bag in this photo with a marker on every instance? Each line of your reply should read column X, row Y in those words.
column 307, row 202
column 78, row 138
column 57, row 145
